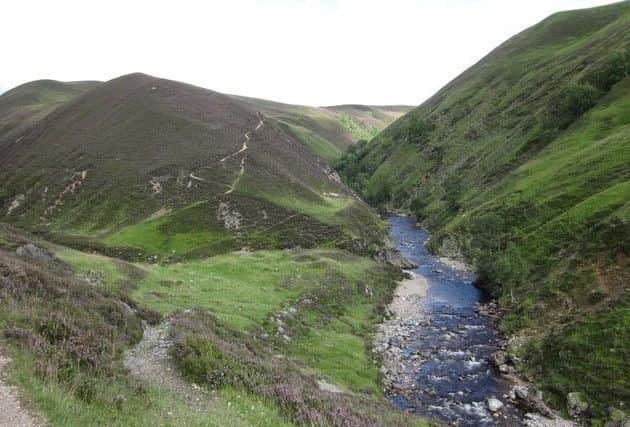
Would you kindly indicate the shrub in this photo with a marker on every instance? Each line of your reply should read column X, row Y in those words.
column 210, row 352
column 379, row 193
column 572, row 101
column 75, row 331
column 614, row 68
column 419, row 131
column 418, row 204
column 453, row 190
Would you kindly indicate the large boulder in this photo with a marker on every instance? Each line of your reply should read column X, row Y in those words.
column 34, row 252
column 494, row 404
column 393, row 257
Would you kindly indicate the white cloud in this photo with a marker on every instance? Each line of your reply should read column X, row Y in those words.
column 303, row 51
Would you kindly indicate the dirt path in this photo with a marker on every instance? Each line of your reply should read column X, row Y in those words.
column 195, row 177
column 12, row 413
column 243, row 149
column 247, row 137
column 241, row 172
column 149, row 361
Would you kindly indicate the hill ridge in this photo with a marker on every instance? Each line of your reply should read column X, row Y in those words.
column 102, row 164
column 520, row 165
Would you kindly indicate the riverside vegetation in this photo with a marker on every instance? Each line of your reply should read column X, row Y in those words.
column 142, row 204
column 520, row 165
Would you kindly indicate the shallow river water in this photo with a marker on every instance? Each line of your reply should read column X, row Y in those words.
column 455, row 378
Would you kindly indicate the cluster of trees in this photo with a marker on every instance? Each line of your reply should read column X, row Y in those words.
column 353, row 169
column 614, row 68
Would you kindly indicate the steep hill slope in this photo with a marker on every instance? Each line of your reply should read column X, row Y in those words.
column 328, row 131
column 186, row 183
column 172, row 169
column 521, row 164
column 24, row 105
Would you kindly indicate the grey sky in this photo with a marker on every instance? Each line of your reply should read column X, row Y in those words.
column 304, row 51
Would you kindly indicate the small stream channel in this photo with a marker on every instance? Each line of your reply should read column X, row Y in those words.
column 454, row 378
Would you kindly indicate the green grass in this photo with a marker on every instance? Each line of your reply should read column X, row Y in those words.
column 340, row 357
column 337, row 349
column 317, row 144
column 150, row 407
column 148, row 236
column 107, row 270
column 326, row 209
column 329, row 336
column 358, row 129
column 240, row 290
column 584, row 356
column 522, row 164
column 172, row 234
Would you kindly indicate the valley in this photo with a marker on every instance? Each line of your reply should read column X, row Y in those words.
column 236, row 261
column 520, row 167
column 175, row 256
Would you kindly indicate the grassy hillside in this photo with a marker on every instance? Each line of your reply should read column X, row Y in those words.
column 328, row 131
column 146, row 167
column 252, row 333
column 521, row 164
column 199, row 216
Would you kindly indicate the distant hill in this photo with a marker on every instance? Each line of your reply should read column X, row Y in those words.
column 22, row 106
column 521, row 164
column 328, row 131
column 144, row 166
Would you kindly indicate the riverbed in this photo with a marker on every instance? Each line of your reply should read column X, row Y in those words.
column 437, row 360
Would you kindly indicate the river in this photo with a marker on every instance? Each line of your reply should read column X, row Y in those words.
column 450, row 350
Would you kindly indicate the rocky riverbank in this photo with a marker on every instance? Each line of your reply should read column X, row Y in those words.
column 400, row 367
column 404, row 315
column 441, row 356
column 522, row 393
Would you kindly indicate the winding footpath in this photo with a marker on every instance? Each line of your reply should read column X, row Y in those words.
column 243, row 149
column 12, row 412
column 149, row 361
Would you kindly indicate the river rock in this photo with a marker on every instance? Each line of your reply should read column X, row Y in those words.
column 576, row 404
column 499, row 358
column 521, row 392
column 393, row 257
column 537, row 420
column 529, row 397
column 494, row 404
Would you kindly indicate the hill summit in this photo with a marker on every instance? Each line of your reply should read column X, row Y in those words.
column 168, row 168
